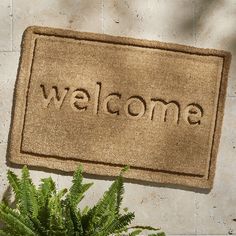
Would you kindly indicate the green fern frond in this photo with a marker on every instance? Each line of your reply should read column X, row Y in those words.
column 85, row 210
column 28, row 199
column 74, row 218
column 143, row 227
column 124, row 169
column 106, row 212
column 135, row 232
column 40, row 228
column 48, row 212
column 96, row 217
column 120, row 192
column 45, row 191
column 158, row 234
column 5, row 232
column 119, row 224
column 14, row 183
column 77, row 189
column 56, row 219
column 120, row 187
column 15, row 220
column 60, row 232
column 68, row 219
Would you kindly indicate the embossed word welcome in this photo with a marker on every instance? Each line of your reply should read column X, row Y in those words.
column 134, row 107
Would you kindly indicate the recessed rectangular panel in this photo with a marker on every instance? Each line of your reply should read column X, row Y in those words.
column 107, row 101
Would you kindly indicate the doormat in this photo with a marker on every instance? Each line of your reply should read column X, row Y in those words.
column 107, row 101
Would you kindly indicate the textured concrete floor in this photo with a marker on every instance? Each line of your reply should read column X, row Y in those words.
column 203, row 23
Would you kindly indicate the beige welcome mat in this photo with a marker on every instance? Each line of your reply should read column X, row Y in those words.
column 107, row 101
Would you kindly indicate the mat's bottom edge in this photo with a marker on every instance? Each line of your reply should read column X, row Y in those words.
column 102, row 171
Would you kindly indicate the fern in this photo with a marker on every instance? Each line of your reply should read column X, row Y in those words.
column 119, row 224
column 44, row 193
column 20, row 225
column 28, row 202
column 77, row 189
column 44, row 211
column 15, row 184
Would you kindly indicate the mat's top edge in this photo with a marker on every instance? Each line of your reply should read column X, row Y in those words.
column 67, row 33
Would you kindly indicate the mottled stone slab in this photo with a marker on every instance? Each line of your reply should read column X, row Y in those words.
column 5, row 25
column 108, row 101
column 76, row 15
